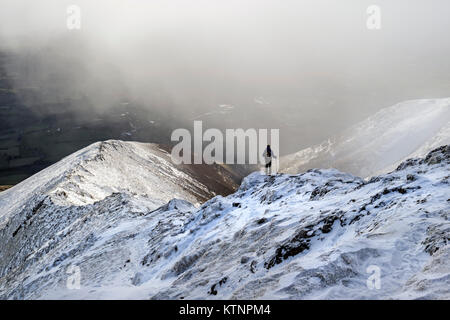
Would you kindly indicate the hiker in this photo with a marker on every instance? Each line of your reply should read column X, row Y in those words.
column 268, row 155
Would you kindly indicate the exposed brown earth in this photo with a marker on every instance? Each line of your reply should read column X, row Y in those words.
column 3, row 188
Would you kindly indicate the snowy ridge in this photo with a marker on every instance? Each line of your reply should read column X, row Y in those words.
column 103, row 168
column 90, row 178
column 381, row 142
column 304, row 236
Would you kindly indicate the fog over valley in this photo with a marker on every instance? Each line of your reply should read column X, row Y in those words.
column 138, row 70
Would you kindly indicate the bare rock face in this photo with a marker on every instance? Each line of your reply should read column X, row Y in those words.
column 131, row 231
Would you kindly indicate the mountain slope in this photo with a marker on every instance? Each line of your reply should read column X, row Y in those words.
column 305, row 236
column 111, row 166
column 379, row 143
column 89, row 178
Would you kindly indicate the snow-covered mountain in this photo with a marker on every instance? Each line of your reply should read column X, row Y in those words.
column 381, row 142
column 319, row 234
column 103, row 168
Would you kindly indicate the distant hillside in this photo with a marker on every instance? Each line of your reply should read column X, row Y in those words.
column 379, row 143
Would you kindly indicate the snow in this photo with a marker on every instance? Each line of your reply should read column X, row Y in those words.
column 103, row 168
column 302, row 236
column 380, row 143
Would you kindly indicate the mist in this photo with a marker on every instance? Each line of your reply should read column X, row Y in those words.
column 308, row 68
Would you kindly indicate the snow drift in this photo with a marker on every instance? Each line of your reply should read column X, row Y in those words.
column 304, row 236
column 378, row 144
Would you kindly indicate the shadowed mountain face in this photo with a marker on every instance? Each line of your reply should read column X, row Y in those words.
column 105, row 211
column 3, row 188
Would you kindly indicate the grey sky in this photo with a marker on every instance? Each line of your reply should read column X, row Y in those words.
column 314, row 61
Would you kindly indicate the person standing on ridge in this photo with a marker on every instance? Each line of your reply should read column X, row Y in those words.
column 268, row 155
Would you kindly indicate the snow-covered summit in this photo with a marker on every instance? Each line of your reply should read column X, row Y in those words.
column 381, row 142
column 303, row 236
column 108, row 167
